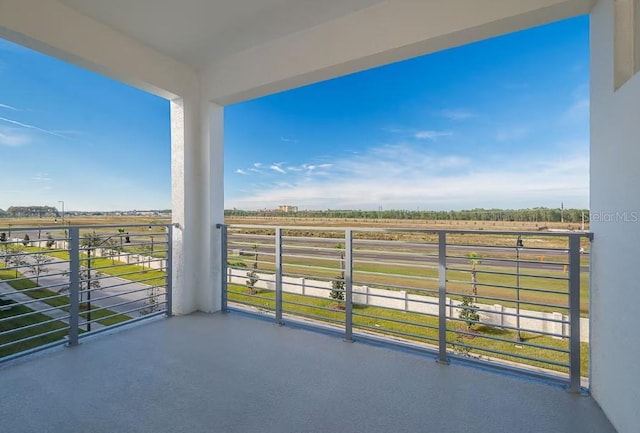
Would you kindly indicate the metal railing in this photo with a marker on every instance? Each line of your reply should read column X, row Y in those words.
column 60, row 284
column 512, row 300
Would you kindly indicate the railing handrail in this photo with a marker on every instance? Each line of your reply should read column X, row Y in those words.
column 581, row 234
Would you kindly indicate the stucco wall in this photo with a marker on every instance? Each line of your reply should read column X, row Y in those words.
column 615, row 210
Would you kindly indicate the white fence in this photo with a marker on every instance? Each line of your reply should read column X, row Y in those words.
column 495, row 315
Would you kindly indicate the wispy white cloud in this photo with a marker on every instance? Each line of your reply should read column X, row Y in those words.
column 276, row 167
column 41, row 177
column 457, row 114
column 432, row 135
column 404, row 176
column 288, row 140
column 240, row 171
column 9, row 107
column 13, row 138
column 32, row 127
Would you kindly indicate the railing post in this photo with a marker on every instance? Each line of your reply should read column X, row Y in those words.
column 348, row 285
column 74, row 285
column 223, row 268
column 169, row 272
column 574, row 313
column 442, row 298
column 278, row 242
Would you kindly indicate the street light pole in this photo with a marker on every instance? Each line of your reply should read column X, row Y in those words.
column 62, row 203
column 65, row 230
column 519, row 245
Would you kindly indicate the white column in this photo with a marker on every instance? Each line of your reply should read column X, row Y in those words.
column 615, row 222
column 197, row 203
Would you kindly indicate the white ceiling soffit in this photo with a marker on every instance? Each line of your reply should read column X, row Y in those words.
column 197, row 32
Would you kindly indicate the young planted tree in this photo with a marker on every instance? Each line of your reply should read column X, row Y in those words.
column 38, row 265
column 338, row 284
column 469, row 312
column 26, row 240
column 474, row 260
column 253, row 275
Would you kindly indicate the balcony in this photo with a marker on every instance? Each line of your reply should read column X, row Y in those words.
column 231, row 373
column 377, row 335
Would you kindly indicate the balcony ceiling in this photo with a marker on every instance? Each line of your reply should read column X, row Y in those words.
column 199, row 31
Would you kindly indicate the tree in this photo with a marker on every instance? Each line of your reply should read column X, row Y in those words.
column 38, row 265
column 469, row 312
column 16, row 257
column 26, row 240
column 474, row 260
column 253, row 275
column 338, row 284
column 50, row 241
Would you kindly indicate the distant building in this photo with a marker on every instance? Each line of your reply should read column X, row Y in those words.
column 287, row 208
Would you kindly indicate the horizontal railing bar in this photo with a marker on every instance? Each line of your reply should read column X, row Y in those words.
column 252, row 304
column 117, row 313
column 387, row 331
column 33, row 337
column 123, row 323
column 314, row 317
column 127, row 293
column 510, row 287
column 406, row 277
column 414, row 265
column 33, row 350
column 511, row 274
column 504, row 340
column 539, row 304
column 421, row 325
column 33, row 325
column 416, row 230
column 513, row 261
column 31, row 312
column 512, row 354
column 397, row 287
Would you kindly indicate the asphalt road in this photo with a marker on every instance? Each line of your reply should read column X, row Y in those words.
column 400, row 252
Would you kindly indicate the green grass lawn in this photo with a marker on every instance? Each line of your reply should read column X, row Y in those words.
column 107, row 266
column 421, row 328
column 20, row 322
column 61, row 301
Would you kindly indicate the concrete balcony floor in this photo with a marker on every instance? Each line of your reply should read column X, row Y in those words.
column 232, row 373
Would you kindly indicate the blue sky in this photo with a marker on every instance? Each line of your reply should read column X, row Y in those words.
column 499, row 123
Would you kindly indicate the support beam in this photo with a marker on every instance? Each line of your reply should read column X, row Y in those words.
column 62, row 32
column 381, row 34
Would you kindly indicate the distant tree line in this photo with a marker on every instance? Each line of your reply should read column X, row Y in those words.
column 538, row 214
column 29, row 211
